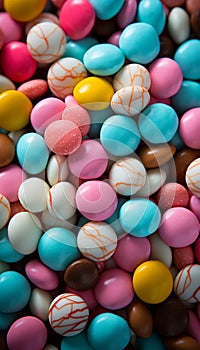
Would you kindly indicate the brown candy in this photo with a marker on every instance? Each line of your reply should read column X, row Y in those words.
column 171, row 317
column 183, row 342
column 192, row 6
column 7, row 150
column 182, row 160
column 167, row 47
column 156, row 155
column 173, row 3
column 81, row 275
column 140, row 319
column 195, row 22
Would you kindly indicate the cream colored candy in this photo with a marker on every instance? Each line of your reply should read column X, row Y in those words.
column 39, row 303
column 50, row 347
column 57, row 169
column 32, row 194
column 179, row 25
column 24, row 232
column 160, row 250
column 6, row 84
column 192, row 177
column 130, row 100
column 64, row 74
column 48, row 221
column 127, row 176
column 97, row 241
column 132, row 74
column 4, row 211
column 154, row 180
column 46, row 42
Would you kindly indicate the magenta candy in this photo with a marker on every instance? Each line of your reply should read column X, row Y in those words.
column 194, row 205
column 27, row 333
column 114, row 290
column 127, row 13
column 16, row 62
column 193, row 326
column 189, row 128
column 87, row 295
column 77, row 18
column 159, row 100
column 11, row 29
column 11, row 178
column 166, row 77
column 197, row 250
column 41, row 276
column 131, row 252
column 96, row 200
column 179, row 227
column 114, row 38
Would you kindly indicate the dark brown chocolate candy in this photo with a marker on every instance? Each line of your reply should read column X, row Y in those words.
column 140, row 319
column 173, row 3
column 167, row 47
column 182, row 160
column 171, row 317
column 192, row 6
column 156, row 155
column 195, row 22
column 81, row 275
column 183, row 342
column 7, row 150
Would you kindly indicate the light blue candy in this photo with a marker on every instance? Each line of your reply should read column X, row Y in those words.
column 188, row 57
column 32, row 153
column 108, row 331
column 120, row 135
column 57, row 248
column 106, row 9
column 76, row 342
column 140, row 43
column 6, row 320
column 153, row 342
column 187, row 97
column 113, row 220
column 97, row 119
column 7, row 253
column 177, row 141
column 103, row 59
column 152, row 12
column 158, row 123
column 77, row 48
column 15, row 292
column 140, row 217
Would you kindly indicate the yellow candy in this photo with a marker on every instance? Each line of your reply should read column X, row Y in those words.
column 152, row 281
column 24, row 10
column 93, row 93
column 15, row 109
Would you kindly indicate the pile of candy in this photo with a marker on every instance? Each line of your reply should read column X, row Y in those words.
column 99, row 174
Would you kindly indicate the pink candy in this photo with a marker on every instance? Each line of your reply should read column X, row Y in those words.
column 41, row 275
column 11, row 178
column 189, row 128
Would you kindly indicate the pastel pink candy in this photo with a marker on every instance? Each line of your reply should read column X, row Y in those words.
column 194, row 205
column 41, row 276
column 11, row 29
column 179, row 227
column 86, row 295
column 189, row 128
column 127, row 13
column 11, row 178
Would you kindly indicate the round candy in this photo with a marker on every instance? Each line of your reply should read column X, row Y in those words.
column 134, row 49
column 132, row 74
column 11, row 178
column 140, row 319
column 7, row 253
column 119, row 135
column 152, row 282
column 5, row 211
column 40, row 275
column 39, row 303
column 59, row 242
column 155, row 178
column 68, row 314
column 192, row 177
column 182, row 160
column 153, row 156
column 87, row 295
column 64, row 74
column 46, row 42
column 106, row 9
column 194, row 205
column 89, row 161
column 172, row 195
column 188, row 127
column 96, row 200
column 97, row 241
column 10, row 101
column 43, row 17
column 75, row 341
column 13, row 284
column 127, row 176
column 6, row 320
column 24, row 11
column 186, row 283
column 57, row 169
column 77, row 48
column 152, row 12
column 34, row 89
column 187, row 56
column 11, row 29
column 184, row 256
column 104, row 329
column 63, row 137
column 27, row 333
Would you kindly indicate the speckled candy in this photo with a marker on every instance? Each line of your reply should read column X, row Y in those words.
column 34, row 89
column 186, row 283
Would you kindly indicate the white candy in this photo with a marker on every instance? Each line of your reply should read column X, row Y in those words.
column 61, row 200
column 97, row 241
column 4, row 211
column 48, row 221
column 50, row 347
column 154, row 180
column 179, row 25
column 130, row 100
column 57, row 169
column 127, row 176
column 160, row 250
column 46, row 42
column 24, row 232
column 132, row 74
column 187, row 283
column 6, row 84
column 39, row 303
column 32, row 194
column 192, row 177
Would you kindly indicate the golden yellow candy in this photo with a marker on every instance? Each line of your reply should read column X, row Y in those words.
column 15, row 109
column 152, row 281
column 24, row 10
column 93, row 93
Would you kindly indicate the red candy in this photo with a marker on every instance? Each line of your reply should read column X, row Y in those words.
column 183, row 257
column 172, row 195
column 34, row 89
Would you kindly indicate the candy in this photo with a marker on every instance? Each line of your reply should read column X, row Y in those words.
column 7, row 148
column 11, row 29
column 107, row 9
column 11, row 177
column 187, row 97
column 179, row 25
column 43, row 17
column 192, row 177
column 132, row 75
column 160, row 250
column 41, row 276
column 68, row 314
column 186, row 283
column 24, row 11
column 183, row 257
column 57, row 169
column 172, row 195
column 188, row 128
column 39, row 303
column 153, row 156
column 140, row 319
column 34, row 89
column 7, row 253
column 187, row 57
column 77, row 48
column 6, row 84
column 152, row 12
column 75, row 341
column 155, row 178
column 4, row 211
column 127, row 13
column 87, row 295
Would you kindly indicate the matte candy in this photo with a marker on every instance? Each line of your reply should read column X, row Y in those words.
column 183, row 257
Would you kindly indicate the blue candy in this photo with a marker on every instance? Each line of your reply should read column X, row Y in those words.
column 177, row 141
column 187, row 97
column 188, row 57
column 120, row 135
column 106, row 9
column 77, row 48
column 153, row 342
column 103, row 59
column 113, row 220
column 6, row 320
column 158, row 123
column 76, row 342
column 7, row 253
column 152, row 12
column 140, row 217
column 97, row 119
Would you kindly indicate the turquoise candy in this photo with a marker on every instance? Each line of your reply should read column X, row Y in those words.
column 7, row 253
column 113, row 220
column 108, row 331
column 103, row 59
column 153, row 342
column 57, row 248
column 6, row 320
column 76, row 342
column 188, row 57
column 187, row 97
column 106, row 9
column 120, row 135
column 152, row 12
column 158, row 123
column 140, row 43
column 97, row 119
column 77, row 48
column 177, row 141
column 140, row 217
column 32, row 153
column 15, row 292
